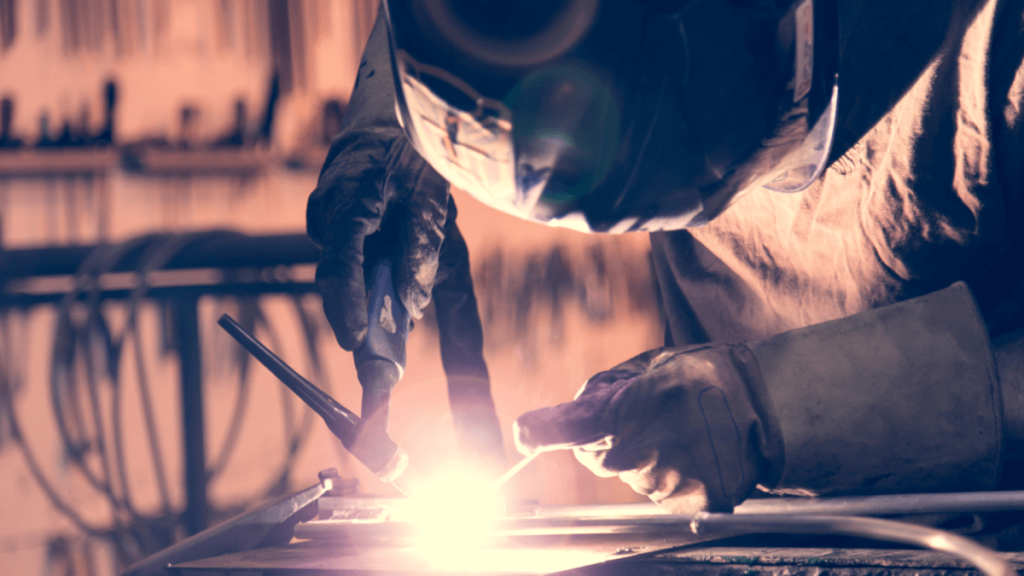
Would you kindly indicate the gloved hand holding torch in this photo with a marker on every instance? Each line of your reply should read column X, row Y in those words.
column 377, row 199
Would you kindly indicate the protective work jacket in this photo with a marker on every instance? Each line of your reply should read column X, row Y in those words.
column 924, row 191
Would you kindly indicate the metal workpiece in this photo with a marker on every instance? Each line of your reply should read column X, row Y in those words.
column 268, row 525
column 355, row 533
column 652, row 528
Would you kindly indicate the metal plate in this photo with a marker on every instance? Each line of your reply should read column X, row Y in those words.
column 506, row 559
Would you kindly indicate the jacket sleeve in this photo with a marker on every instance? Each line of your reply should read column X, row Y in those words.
column 370, row 137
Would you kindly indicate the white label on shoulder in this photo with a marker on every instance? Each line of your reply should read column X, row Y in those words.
column 804, row 65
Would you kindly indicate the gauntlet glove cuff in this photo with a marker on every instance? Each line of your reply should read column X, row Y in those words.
column 898, row 399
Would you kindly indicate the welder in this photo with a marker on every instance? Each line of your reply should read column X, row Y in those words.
column 833, row 195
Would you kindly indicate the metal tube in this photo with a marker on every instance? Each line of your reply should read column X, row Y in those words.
column 889, row 505
column 228, row 251
column 885, row 505
column 875, row 528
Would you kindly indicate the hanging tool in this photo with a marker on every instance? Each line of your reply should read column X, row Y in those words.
column 376, row 450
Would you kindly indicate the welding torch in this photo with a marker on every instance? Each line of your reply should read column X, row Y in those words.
column 381, row 362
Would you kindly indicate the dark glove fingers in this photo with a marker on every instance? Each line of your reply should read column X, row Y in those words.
column 593, row 459
column 339, row 277
column 588, row 418
column 681, row 481
column 648, row 481
column 665, row 447
column 699, row 487
column 690, row 496
column 685, row 457
column 425, row 211
column 339, row 274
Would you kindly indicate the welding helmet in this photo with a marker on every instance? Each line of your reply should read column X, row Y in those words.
column 617, row 115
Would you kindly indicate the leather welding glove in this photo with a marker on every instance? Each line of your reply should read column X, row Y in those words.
column 376, row 197
column 904, row 398
column 681, row 425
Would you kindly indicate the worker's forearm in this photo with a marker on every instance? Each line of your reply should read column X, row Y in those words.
column 1009, row 356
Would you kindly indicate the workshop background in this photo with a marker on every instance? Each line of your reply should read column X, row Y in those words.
column 169, row 121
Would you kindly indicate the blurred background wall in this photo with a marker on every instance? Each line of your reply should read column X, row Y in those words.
column 122, row 119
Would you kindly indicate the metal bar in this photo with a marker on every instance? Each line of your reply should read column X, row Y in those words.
column 229, row 251
column 25, row 299
column 883, row 505
column 186, row 333
column 889, row 505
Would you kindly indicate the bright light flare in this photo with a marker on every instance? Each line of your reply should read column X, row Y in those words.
column 456, row 508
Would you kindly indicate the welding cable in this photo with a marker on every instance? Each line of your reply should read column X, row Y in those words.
column 67, row 339
column 156, row 257
column 157, row 250
column 107, row 259
column 296, row 436
column 95, row 405
column 7, row 401
column 987, row 560
column 95, row 325
column 93, row 336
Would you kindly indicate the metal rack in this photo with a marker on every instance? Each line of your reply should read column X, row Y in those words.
column 247, row 265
